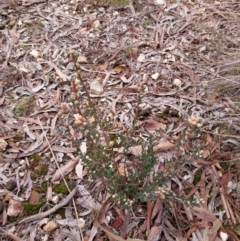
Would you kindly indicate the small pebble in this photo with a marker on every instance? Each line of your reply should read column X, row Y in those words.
column 2, row 205
column 11, row 185
column 50, row 227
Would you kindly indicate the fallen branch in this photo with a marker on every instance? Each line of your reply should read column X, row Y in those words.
column 12, row 236
column 50, row 211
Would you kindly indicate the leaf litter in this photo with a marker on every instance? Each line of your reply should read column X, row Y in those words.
column 183, row 54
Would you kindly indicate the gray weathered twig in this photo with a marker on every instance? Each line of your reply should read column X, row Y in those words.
column 50, row 211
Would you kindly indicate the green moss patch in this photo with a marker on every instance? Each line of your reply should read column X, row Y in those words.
column 197, row 177
column 24, row 105
column 30, row 209
column 13, row 219
column 41, row 188
column 60, row 189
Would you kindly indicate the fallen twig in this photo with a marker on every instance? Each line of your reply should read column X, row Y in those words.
column 50, row 211
column 12, row 236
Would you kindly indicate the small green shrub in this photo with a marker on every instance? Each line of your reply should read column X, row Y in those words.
column 129, row 176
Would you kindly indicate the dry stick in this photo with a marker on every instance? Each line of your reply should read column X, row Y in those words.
column 115, row 102
column 12, row 236
column 221, row 135
column 81, row 80
column 193, row 79
column 50, row 211
column 225, row 202
column 108, row 74
column 64, row 180
column 150, row 205
column 197, row 186
column 227, row 206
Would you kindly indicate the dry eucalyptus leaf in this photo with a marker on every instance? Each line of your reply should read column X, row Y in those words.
column 155, row 233
column 96, row 88
column 82, row 60
column 65, row 108
column 155, row 76
column 15, row 208
column 86, row 200
column 34, row 53
column 224, row 236
column 49, row 195
column 79, row 169
column 34, row 197
column 72, row 222
column 96, row 24
column 152, row 126
column 64, row 170
column 217, row 224
column 112, row 236
column 123, row 171
column 3, row 144
column 163, row 145
column 141, row 58
column 161, row 2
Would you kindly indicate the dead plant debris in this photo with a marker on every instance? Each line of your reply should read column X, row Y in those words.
column 85, row 86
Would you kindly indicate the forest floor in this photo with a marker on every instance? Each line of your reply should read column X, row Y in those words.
column 120, row 121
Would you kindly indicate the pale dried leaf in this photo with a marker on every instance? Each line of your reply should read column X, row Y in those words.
column 155, row 233
column 86, row 200
column 34, row 197
column 34, row 53
column 71, row 222
column 28, row 132
column 155, row 76
column 96, row 88
column 141, row 58
column 161, row 2
column 96, row 24
column 93, row 232
column 38, row 87
column 152, row 126
column 63, row 149
column 204, row 213
column 116, row 237
column 36, row 144
column 3, row 144
column 82, row 60
column 83, row 147
column 79, row 169
column 217, row 224
column 53, row 124
column 59, row 72
column 163, row 145
column 64, row 170
column 15, row 208
column 224, row 236
column 49, row 195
